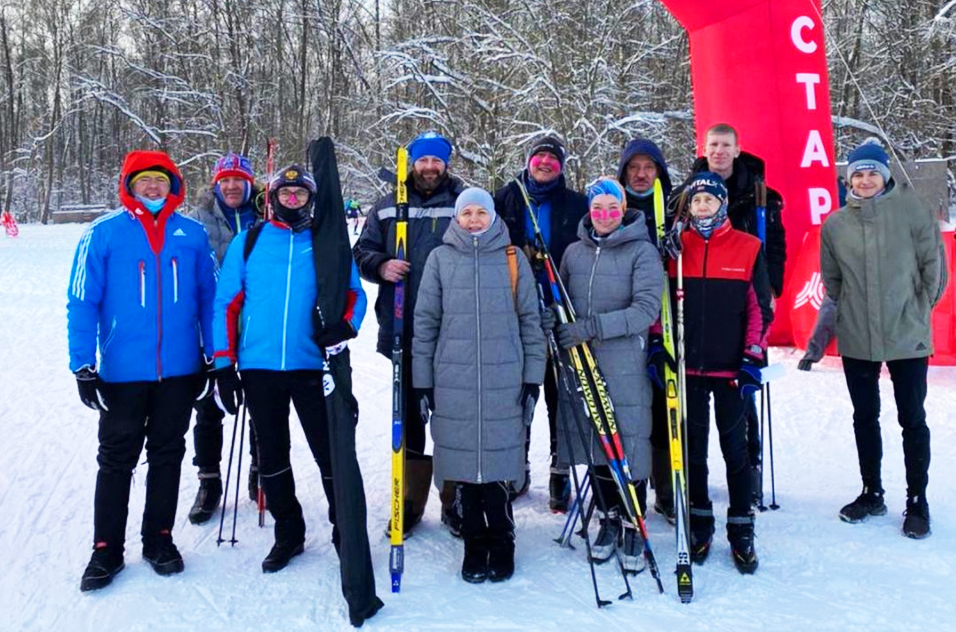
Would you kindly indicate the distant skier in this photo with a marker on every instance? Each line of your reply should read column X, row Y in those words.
column 881, row 260
column 9, row 224
column 354, row 212
column 727, row 316
column 279, row 354
column 614, row 280
column 141, row 294
column 478, row 357
column 233, row 205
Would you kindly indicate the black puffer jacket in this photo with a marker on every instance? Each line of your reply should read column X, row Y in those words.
column 428, row 218
column 567, row 209
column 742, row 210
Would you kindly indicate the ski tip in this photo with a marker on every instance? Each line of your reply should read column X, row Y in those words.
column 396, row 582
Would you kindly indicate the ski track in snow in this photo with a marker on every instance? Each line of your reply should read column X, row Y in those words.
column 815, row 572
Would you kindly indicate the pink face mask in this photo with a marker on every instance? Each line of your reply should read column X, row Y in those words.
column 545, row 159
column 604, row 214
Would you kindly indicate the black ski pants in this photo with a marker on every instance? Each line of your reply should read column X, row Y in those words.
column 268, row 396
column 486, row 512
column 207, row 437
column 909, row 390
column 156, row 413
column 729, row 409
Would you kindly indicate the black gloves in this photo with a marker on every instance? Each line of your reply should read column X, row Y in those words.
column 426, row 402
column 657, row 360
column 748, row 377
column 206, row 380
column 230, row 388
column 528, row 400
column 334, row 334
column 90, row 385
column 670, row 246
column 572, row 334
column 549, row 320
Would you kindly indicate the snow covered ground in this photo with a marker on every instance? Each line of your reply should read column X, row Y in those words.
column 815, row 572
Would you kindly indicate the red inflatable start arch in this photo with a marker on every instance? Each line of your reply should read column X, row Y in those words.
column 760, row 65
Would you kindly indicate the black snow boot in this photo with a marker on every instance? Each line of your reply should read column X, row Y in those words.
column 916, row 524
column 474, row 568
column 869, row 503
column 701, row 532
column 740, row 534
column 281, row 554
column 162, row 554
column 560, row 488
column 501, row 557
column 105, row 563
column 207, row 498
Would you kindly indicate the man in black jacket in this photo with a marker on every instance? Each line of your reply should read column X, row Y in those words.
column 558, row 210
column 431, row 206
column 743, row 174
column 642, row 162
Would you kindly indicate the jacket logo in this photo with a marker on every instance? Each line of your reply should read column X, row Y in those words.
column 813, row 292
column 179, row 233
column 921, row 347
column 726, row 269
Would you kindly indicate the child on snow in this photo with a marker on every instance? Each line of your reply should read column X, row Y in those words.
column 478, row 357
column 727, row 315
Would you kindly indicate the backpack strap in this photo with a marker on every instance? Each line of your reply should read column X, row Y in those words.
column 252, row 235
column 512, row 253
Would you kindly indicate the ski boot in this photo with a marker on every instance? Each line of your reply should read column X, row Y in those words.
column 740, row 534
column 560, row 488
column 701, row 532
column 207, row 498
column 632, row 550
column 609, row 537
column 162, row 554
column 105, row 563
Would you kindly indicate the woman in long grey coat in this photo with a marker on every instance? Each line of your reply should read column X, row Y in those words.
column 615, row 280
column 478, row 358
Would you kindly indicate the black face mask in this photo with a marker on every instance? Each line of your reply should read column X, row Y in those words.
column 298, row 218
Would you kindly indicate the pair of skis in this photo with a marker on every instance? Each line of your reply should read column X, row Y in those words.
column 592, row 387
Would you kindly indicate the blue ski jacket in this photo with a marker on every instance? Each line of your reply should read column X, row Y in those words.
column 263, row 306
column 142, row 288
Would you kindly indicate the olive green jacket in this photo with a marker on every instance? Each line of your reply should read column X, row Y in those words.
column 882, row 261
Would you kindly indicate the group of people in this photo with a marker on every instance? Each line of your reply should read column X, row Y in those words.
column 167, row 313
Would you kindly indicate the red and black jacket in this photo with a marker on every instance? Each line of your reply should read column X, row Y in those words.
column 726, row 299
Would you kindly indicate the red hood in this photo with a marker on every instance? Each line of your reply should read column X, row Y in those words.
column 139, row 160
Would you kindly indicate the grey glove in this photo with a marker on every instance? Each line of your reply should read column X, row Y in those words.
column 572, row 334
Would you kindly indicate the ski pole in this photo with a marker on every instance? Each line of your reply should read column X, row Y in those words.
column 225, row 493
column 773, row 486
column 760, row 505
column 565, row 538
column 235, row 505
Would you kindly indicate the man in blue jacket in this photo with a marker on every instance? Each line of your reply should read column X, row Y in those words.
column 141, row 292
column 264, row 327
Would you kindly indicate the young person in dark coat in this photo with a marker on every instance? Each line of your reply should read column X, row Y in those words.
column 727, row 316
column 140, row 327
column 431, row 207
column 743, row 174
column 478, row 361
column 641, row 163
column 558, row 209
column 231, row 206
column 883, row 265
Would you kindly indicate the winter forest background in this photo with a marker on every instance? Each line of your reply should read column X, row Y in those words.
column 84, row 81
